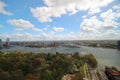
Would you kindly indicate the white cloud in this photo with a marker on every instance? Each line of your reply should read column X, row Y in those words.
column 2, row 10
column 111, row 34
column 84, row 16
column 28, row 36
column 53, row 36
column 22, row 36
column 57, row 8
column 108, row 15
column 107, row 35
column 18, row 30
column 107, row 20
column 117, row 9
column 93, row 11
column 45, row 28
column 72, row 33
column 3, row 36
column 90, row 25
column 24, row 24
column 21, row 23
column 43, row 14
column 36, row 29
column 110, row 24
column 1, row 26
column 111, row 14
column 58, row 29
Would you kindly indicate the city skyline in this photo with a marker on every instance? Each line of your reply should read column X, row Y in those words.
column 27, row 20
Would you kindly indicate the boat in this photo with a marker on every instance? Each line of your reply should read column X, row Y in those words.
column 112, row 73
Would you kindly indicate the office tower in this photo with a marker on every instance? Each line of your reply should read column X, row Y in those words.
column 7, row 42
column 1, row 45
column 118, row 44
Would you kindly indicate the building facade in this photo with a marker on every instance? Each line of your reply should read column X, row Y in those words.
column 7, row 44
column 1, row 45
column 118, row 44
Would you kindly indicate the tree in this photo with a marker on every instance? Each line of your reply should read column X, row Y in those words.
column 90, row 59
column 4, row 75
column 17, row 75
column 76, row 55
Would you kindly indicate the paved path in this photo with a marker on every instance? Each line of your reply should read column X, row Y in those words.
column 94, row 74
column 86, row 72
column 67, row 77
column 102, row 75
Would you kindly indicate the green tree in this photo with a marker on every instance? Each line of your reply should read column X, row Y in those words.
column 90, row 59
column 17, row 75
column 4, row 75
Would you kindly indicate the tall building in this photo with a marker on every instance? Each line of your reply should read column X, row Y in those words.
column 7, row 42
column 1, row 45
column 118, row 44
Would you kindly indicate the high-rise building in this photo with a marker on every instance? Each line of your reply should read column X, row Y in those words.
column 118, row 44
column 1, row 45
column 7, row 42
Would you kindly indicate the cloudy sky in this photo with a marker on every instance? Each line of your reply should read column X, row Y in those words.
column 59, row 19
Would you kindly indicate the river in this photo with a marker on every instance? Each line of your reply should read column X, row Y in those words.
column 104, row 56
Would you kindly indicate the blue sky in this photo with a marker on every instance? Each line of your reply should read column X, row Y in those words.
column 59, row 20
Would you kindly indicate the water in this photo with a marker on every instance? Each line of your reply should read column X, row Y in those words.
column 104, row 56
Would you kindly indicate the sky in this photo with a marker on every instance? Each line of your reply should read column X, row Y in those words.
column 31, row 20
